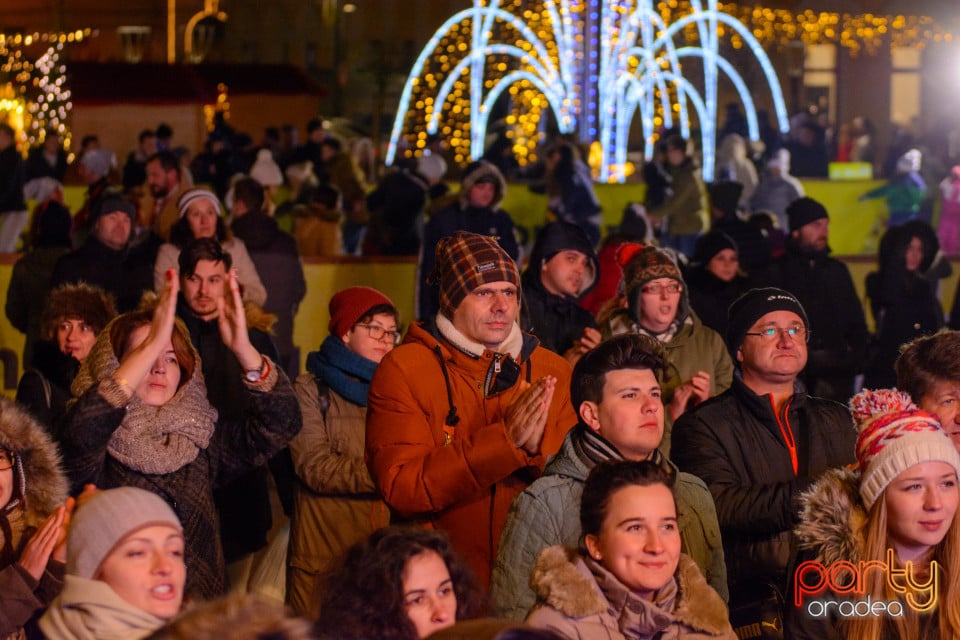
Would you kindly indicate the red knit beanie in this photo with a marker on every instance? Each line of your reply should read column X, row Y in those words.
column 347, row 307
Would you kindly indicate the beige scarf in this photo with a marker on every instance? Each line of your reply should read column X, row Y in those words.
column 152, row 440
column 91, row 610
column 511, row 346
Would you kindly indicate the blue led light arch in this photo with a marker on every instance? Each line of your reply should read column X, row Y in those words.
column 614, row 59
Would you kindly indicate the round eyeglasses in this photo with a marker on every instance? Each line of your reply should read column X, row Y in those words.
column 377, row 332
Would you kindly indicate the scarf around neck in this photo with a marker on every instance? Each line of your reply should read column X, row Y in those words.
column 512, row 346
column 152, row 440
column 344, row 371
column 91, row 610
column 637, row 617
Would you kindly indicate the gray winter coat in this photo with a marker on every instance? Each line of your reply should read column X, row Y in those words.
column 546, row 514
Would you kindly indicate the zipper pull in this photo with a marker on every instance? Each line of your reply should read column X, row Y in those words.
column 496, row 363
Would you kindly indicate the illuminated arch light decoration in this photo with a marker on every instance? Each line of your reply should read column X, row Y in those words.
column 593, row 63
column 479, row 53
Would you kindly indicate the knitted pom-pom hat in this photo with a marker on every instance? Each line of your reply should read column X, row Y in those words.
column 895, row 435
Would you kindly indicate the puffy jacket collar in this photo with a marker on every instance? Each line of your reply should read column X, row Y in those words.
column 563, row 580
column 759, row 405
column 832, row 517
column 427, row 335
column 567, row 462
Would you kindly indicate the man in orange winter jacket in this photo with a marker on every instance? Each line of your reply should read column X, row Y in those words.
column 462, row 416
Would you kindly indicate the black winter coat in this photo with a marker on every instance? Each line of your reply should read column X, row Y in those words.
column 711, row 297
column 277, row 260
column 244, row 502
column 734, row 443
column 838, row 339
column 396, row 215
column 125, row 274
column 45, row 389
column 12, row 177
column 557, row 320
column 903, row 304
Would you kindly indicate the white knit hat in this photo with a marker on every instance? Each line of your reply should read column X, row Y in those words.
column 265, row 170
column 106, row 519
column 197, row 193
column 894, row 436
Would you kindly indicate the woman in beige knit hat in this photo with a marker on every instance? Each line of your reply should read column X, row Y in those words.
column 880, row 544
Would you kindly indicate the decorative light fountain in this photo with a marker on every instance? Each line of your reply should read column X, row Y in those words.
column 594, row 63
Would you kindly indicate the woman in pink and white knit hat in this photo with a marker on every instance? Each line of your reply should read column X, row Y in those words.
column 891, row 522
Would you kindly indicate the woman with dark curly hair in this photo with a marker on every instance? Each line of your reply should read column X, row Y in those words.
column 398, row 584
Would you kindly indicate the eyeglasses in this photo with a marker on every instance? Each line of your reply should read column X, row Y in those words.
column 657, row 289
column 376, row 332
column 6, row 459
column 796, row 333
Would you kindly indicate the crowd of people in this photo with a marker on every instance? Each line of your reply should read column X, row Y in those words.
column 661, row 431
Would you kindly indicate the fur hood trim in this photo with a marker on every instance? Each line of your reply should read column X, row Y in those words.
column 44, row 483
column 832, row 517
column 562, row 580
column 476, row 172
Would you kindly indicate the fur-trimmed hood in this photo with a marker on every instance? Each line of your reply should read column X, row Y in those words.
column 476, row 172
column 42, row 484
column 563, row 582
column 832, row 517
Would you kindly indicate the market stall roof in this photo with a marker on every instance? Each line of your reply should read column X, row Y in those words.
column 157, row 83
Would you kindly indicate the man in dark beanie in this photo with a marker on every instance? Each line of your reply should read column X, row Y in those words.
column 105, row 258
column 753, row 249
column 563, row 268
column 462, row 416
column 763, row 441
column 823, row 285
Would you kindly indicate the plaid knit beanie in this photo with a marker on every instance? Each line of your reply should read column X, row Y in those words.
column 894, row 436
column 464, row 262
column 106, row 519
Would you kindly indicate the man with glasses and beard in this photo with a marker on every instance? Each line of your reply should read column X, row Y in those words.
column 763, row 441
column 462, row 416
